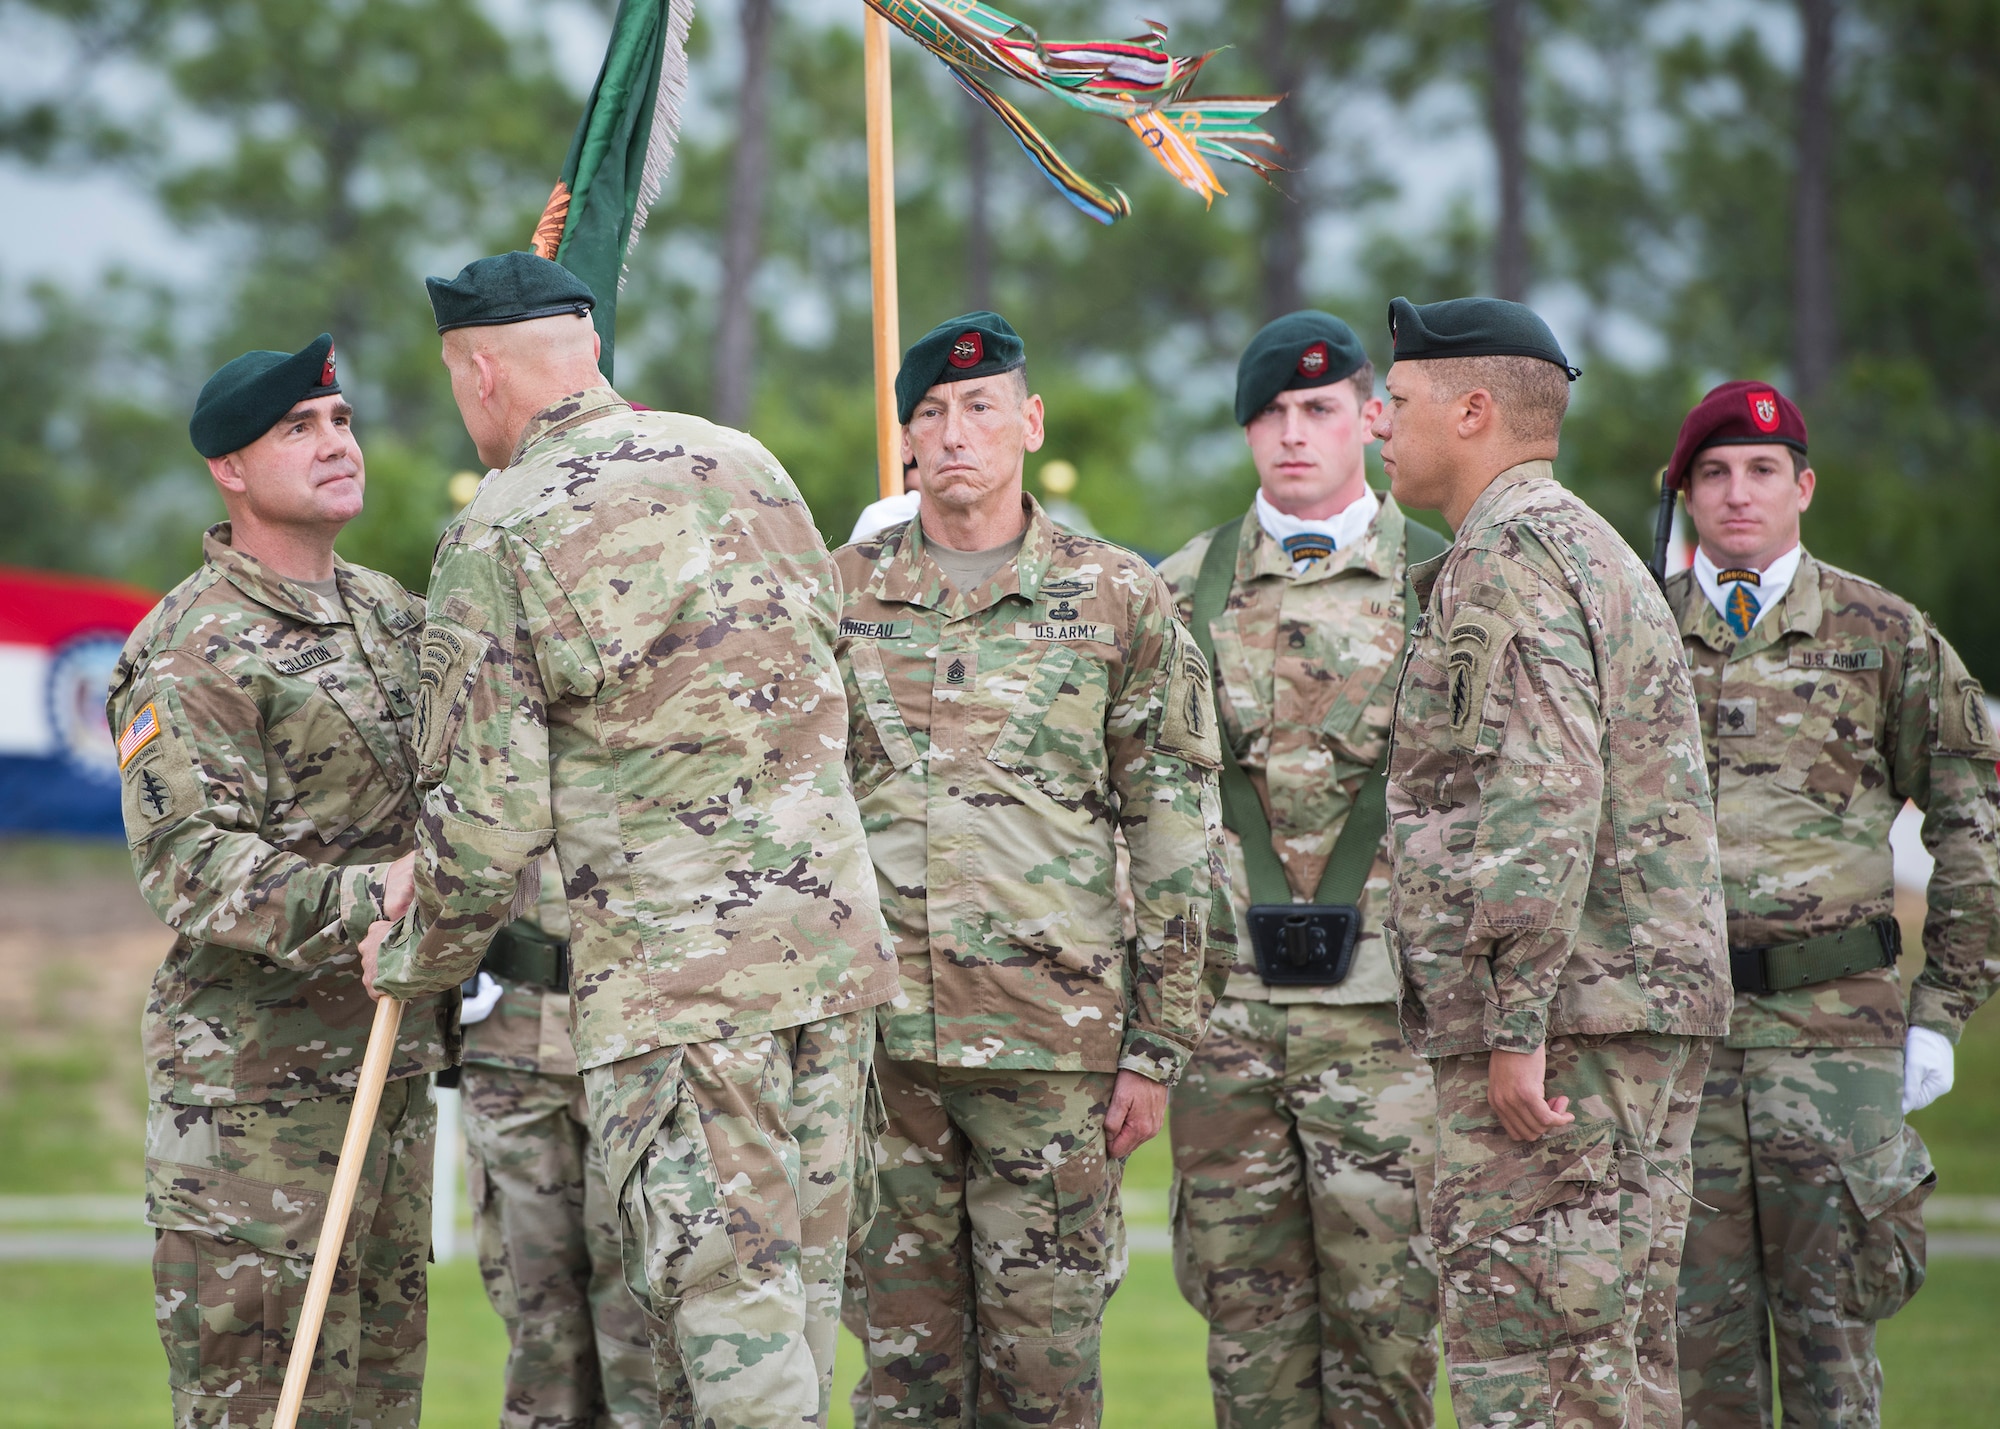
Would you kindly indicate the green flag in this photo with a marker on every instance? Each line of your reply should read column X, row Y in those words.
column 620, row 153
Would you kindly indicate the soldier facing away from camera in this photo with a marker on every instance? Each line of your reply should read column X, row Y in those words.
column 1557, row 894
column 1017, row 696
column 1304, row 1129
column 264, row 712
column 630, row 658
column 1826, row 703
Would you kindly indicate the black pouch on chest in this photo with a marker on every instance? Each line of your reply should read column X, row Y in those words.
column 1304, row 944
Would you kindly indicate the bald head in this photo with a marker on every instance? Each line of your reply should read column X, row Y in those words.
column 503, row 374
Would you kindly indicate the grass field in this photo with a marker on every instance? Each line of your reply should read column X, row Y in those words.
column 77, row 1342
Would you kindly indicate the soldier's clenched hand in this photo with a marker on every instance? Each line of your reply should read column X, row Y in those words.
column 399, row 886
column 1138, row 1110
column 1514, row 1091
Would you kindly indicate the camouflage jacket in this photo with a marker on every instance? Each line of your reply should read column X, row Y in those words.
column 1843, row 702
column 1554, row 840
column 630, row 655
column 267, row 784
column 528, row 1029
column 998, row 739
column 1306, row 674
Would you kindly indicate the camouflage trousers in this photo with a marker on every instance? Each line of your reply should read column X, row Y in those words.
column 237, row 1194
column 734, row 1164
column 998, row 1241
column 1304, row 1138
column 1816, row 1233
column 579, row 1355
column 1560, row 1257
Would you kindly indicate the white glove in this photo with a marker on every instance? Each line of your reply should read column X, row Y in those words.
column 1927, row 1059
column 480, row 994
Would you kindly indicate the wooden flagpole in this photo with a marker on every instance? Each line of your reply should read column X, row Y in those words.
column 882, row 253
column 339, row 1206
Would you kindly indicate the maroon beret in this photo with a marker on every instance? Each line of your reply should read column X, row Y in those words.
column 1736, row 414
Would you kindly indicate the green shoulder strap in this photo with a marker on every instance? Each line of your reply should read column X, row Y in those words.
column 1354, row 851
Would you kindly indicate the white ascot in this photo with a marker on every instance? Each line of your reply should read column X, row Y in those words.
column 1769, row 588
column 1307, row 541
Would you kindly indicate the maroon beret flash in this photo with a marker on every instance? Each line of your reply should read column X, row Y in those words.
column 1736, row 414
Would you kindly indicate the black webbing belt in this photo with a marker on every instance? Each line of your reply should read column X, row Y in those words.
column 522, row 952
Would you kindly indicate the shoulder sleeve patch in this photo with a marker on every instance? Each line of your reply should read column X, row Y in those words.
column 1477, row 638
column 1963, row 727
column 159, row 785
column 142, row 730
column 1187, row 722
column 450, row 662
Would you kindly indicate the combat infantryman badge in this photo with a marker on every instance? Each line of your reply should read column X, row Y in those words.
column 1312, row 362
column 967, row 350
column 1763, row 408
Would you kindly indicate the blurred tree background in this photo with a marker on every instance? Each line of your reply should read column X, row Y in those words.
column 1806, row 191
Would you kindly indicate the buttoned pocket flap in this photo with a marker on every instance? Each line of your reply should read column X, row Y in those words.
column 273, row 1219
column 1031, row 706
column 1521, row 1183
column 1883, row 1175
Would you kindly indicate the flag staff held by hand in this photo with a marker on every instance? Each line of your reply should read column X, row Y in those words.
column 339, row 1206
column 882, row 253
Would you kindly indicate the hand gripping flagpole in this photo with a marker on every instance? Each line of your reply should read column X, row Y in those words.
column 882, row 253
column 339, row 1206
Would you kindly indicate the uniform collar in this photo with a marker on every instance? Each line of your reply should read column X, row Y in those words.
column 573, row 410
column 905, row 573
column 1486, row 509
column 1798, row 613
column 1379, row 549
column 273, row 591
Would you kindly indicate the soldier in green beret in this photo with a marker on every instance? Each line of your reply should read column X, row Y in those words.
column 1557, row 894
column 1827, row 703
column 263, row 713
column 629, row 658
column 1017, row 696
column 1304, row 1129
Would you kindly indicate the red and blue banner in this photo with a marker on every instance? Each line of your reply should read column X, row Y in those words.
column 59, row 639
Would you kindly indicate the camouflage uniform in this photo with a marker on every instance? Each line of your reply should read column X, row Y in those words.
column 579, row 1355
column 630, row 657
column 1841, row 703
column 267, row 785
column 1304, row 1130
column 997, row 739
column 1556, row 883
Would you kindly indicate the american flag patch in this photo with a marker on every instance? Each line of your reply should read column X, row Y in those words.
column 143, row 729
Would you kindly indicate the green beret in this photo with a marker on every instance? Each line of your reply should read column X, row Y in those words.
column 1472, row 327
column 1302, row 349
column 511, row 288
column 974, row 345
column 246, row 396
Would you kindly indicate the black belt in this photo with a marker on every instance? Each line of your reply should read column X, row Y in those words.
column 522, row 952
column 1861, row 948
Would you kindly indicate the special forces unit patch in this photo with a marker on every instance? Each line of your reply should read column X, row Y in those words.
column 1477, row 639
column 158, row 780
column 450, row 660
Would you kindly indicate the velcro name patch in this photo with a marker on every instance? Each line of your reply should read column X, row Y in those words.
column 310, row 658
column 874, row 629
column 1069, row 632
column 1836, row 659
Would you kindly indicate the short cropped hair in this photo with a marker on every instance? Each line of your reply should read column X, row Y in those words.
column 1362, row 379
column 1532, row 394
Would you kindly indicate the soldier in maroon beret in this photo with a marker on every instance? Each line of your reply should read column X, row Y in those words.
column 1825, row 703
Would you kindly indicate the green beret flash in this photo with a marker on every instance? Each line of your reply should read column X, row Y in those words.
column 972, row 345
column 247, row 395
column 508, row 288
column 1303, row 349
column 1472, row 327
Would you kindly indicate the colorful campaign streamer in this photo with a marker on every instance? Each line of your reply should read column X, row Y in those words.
column 1134, row 80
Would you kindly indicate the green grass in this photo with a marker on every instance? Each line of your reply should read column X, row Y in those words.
column 1963, row 1129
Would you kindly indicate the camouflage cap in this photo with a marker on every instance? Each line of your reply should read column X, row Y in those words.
column 248, row 394
column 1736, row 414
column 971, row 345
column 507, row 288
column 1303, row 349
column 1472, row 327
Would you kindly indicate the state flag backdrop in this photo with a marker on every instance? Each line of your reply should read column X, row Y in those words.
column 59, row 638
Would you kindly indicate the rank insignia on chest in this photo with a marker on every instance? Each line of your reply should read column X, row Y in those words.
column 310, row 658
column 954, row 673
column 1736, row 719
